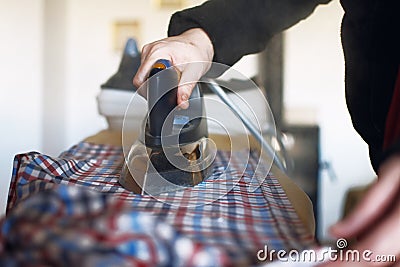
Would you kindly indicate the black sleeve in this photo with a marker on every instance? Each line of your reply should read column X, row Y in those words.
column 240, row 27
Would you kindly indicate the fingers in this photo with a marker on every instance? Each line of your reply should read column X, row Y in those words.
column 150, row 54
column 374, row 205
column 379, row 247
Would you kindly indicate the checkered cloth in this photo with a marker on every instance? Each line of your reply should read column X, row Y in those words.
column 52, row 217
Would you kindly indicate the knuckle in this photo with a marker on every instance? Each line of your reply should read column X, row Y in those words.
column 145, row 48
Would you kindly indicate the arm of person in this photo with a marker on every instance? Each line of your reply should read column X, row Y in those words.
column 221, row 31
column 375, row 222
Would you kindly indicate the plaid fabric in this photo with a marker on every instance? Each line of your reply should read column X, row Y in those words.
column 50, row 220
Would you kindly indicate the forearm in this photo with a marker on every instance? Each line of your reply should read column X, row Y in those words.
column 240, row 27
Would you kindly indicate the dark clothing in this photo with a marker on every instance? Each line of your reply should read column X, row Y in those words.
column 370, row 39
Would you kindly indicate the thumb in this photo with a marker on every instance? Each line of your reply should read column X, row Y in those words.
column 184, row 92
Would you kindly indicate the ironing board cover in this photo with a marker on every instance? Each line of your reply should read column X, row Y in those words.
column 52, row 217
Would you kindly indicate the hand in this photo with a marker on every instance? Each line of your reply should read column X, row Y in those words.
column 375, row 222
column 193, row 45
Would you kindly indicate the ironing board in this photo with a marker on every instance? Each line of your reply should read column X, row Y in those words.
column 298, row 198
column 53, row 218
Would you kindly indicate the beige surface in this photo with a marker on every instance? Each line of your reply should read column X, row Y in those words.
column 300, row 201
column 353, row 197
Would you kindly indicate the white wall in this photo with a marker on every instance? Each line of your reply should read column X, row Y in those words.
column 54, row 77
column 21, row 32
column 91, row 58
column 314, row 82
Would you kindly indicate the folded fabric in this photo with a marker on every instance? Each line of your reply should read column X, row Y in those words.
column 71, row 211
column 71, row 226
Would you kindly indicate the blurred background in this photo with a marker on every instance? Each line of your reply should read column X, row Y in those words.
column 55, row 54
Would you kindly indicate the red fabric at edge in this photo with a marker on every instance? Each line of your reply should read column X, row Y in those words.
column 392, row 127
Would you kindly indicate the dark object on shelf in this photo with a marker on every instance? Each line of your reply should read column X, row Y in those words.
column 130, row 62
column 305, row 156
